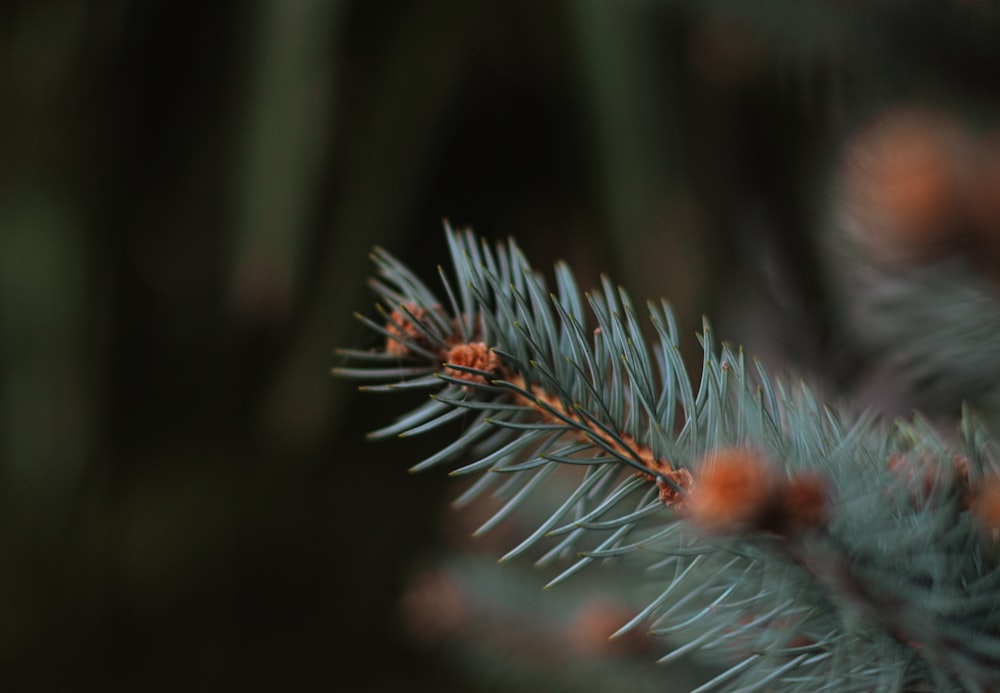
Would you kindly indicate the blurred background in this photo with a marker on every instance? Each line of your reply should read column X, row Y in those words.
column 188, row 193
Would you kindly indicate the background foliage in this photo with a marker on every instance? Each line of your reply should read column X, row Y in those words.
column 188, row 190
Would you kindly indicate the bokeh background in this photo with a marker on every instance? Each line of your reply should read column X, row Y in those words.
column 188, row 193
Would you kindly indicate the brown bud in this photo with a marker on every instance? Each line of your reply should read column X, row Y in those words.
column 904, row 180
column 733, row 491
column 985, row 507
column 803, row 504
column 668, row 494
column 475, row 355
column 401, row 327
column 738, row 490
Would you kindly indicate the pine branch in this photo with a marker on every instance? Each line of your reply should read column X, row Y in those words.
column 810, row 548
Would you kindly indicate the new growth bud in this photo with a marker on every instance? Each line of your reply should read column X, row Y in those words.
column 475, row 355
column 985, row 507
column 737, row 491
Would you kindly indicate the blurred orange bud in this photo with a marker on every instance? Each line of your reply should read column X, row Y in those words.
column 804, row 503
column 733, row 491
column 985, row 507
column 738, row 490
column 904, row 178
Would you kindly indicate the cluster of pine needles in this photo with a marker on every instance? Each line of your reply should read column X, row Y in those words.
column 806, row 548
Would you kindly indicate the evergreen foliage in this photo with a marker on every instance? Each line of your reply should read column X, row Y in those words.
column 806, row 547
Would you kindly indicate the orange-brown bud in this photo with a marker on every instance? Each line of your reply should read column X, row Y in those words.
column 738, row 490
column 904, row 178
column 733, row 492
column 475, row 355
column 401, row 326
column 803, row 504
column 668, row 494
column 985, row 507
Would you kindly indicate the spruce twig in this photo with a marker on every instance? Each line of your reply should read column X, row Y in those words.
column 809, row 548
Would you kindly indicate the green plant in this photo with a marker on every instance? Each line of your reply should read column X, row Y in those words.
column 807, row 548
